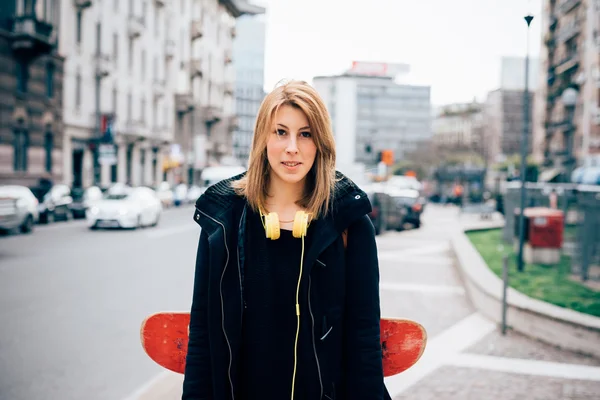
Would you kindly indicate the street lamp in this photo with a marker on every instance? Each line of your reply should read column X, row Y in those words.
column 526, row 110
column 569, row 100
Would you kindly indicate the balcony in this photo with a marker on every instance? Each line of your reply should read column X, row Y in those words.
column 196, row 68
column 170, row 48
column 568, row 31
column 103, row 65
column 81, row 4
column 553, row 22
column 233, row 123
column 31, row 37
column 565, row 6
column 549, row 40
column 135, row 26
column 568, row 63
column 228, row 89
column 184, row 102
column 596, row 116
column 158, row 88
column 211, row 114
column 159, row 3
column 196, row 30
column 228, row 57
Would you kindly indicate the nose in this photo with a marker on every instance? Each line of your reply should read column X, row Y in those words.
column 292, row 146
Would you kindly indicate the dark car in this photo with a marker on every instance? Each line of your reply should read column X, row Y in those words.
column 412, row 203
column 385, row 214
column 55, row 204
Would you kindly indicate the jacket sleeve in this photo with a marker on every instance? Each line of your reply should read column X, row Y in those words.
column 197, row 382
column 362, row 345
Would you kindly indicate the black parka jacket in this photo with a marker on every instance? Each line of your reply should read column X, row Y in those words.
column 342, row 286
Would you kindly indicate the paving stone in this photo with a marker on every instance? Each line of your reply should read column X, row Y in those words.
column 452, row 383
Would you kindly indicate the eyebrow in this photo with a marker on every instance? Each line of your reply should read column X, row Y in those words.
column 304, row 127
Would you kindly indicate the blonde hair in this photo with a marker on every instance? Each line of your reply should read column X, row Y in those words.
column 321, row 178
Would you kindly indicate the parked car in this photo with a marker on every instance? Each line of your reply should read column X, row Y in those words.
column 165, row 194
column 180, row 195
column 83, row 199
column 193, row 193
column 18, row 208
column 125, row 207
column 55, row 205
column 385, row 213
column 413, row 204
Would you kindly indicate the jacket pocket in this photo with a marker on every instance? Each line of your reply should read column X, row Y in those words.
column 331, row 394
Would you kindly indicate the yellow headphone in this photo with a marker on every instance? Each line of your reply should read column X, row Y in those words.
column 299, row 229
column 273, row 231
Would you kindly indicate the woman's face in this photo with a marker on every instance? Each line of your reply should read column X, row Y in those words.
column 291, row 149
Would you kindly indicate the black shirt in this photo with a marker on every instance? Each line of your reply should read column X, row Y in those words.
column 271, row 272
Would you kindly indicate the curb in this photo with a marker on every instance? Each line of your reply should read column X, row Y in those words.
column 557, row 326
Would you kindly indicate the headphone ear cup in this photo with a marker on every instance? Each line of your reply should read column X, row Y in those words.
column 300, row 224
column 272, row 229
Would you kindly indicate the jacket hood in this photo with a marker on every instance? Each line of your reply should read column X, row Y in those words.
column 348, row 202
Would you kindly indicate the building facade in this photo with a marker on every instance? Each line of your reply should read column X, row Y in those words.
column 460, row 127
column 565, row 136
column 31, row 105
column 504, row 123
column 371, row 113
column 249, row 54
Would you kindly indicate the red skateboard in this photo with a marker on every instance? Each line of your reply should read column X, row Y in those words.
column 164, row 337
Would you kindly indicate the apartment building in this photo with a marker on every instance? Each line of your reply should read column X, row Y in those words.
column 563, row 136
column 249, row 54
column 370, row 112
column 504, row 115
column 460, row 127
column 31, row 107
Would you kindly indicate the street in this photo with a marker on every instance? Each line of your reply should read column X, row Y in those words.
column 72, row 300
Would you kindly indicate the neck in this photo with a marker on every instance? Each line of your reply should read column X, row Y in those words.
column 283, row 195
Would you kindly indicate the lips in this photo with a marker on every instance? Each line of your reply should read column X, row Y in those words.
column 291, row 163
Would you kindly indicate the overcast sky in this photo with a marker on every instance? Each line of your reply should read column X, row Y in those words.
column 453, row 45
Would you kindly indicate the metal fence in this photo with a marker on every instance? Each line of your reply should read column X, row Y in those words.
column 581, row 207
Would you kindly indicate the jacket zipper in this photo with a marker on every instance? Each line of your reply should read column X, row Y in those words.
column 222, row 302
column 242, row 301
column 313, row 336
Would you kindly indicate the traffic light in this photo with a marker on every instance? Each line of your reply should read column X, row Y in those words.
column 387, row 157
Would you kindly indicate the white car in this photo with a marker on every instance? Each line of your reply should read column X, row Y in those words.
column 165, row 194
column 125, row 207
column 19, row 208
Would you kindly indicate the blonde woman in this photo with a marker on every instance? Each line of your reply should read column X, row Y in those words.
column 286, row 292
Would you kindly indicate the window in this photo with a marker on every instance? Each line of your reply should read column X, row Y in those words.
column 20, row 147
column 78, row 90
column 48, row 146
column 143, row 66
column 98, row 38
column 50, row 80
column 78, row 27
column 114, row 99
column 22, row 77
column 130, row 56
column 129, row 105
column 115, row 47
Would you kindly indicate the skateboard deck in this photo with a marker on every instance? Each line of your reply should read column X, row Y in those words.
column 164, row 337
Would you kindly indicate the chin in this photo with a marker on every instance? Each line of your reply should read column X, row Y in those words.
column 292, row 178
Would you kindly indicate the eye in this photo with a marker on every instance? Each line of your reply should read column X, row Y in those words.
column 280, row 132
column 305, row 134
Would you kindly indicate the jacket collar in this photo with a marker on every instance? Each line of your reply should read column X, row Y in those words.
column 217, row 204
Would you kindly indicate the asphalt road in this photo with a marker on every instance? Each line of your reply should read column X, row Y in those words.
column 72, row 300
